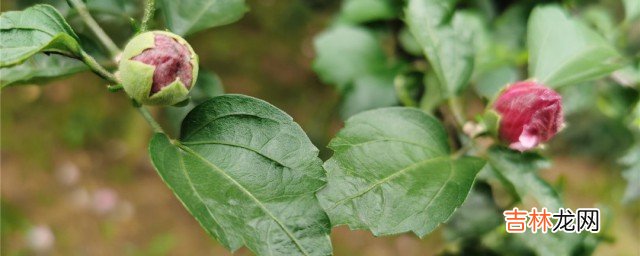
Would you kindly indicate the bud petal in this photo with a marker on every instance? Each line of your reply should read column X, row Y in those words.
column 158, row 68
column 530, row 114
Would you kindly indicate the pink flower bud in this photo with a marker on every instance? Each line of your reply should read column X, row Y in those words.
column 530, row 114
column 158, row 68
column 171, row 60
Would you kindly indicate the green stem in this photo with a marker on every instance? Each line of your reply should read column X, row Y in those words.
column 114, row 51
column 98, row 69
column 93, row 25
column 149, row 118
column 463, row 150
column 148, row 14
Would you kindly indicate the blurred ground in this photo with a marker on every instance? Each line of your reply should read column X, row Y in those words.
column 74, row 159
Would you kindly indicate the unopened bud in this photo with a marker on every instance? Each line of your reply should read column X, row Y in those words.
column 530, row 114
column 158, row 68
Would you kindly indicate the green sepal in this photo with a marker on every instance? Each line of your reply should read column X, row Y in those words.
column 137, row 79
column 183, row 103
column 491, row 122
column 169, row 95
column 138, row 44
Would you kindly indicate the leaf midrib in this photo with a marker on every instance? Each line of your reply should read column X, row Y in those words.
column 431, row 149
column 45, row 13
column 56, row 21
column 384, row 180
column 183, row 168
column 536, row 58
column 205, row 142
column 248, row 193
column 198, row 16
column 444, row 184
column 208, row 122
column 560, row 67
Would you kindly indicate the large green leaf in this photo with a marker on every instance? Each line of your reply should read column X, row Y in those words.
column 36, row 29
column 518, row 172
column 248, row 174
column 448, row 46
column 360, row 11
column 40, row 68
column 564, row 51
column 391, row 172
column 189, row 16
column 345, row 53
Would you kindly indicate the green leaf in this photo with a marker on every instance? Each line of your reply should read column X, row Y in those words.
column 345, row 53
column 632, row 174
column 631, row 9
column 113, row 7
column 478, row 215
column 518, row 172
column 391, row 173
column 369, row 92
column 510, row 31
column 360, row 11
column 579, row 98
column 190, row 16
column 351, row 58
column 563, row 51
column 601, row 19
column 40, row 68
column 409, row 43
column 207, row 86
column 446, row 44
column 500, row 52
column 490, row 82
column 248, row 174
column 628, row 76
column 61, row 5
column 36, row 29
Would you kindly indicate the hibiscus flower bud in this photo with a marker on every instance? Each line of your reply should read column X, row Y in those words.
column 530, row 114
column 158, row 68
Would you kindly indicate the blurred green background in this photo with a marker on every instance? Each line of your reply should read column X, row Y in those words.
column 76, row 178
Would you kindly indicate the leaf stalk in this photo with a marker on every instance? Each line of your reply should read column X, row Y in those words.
column 82, row 10
column 155, row 126
column 149, row 9
column 97, row 68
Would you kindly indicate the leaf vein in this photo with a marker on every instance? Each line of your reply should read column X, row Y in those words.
column 226, row 115
column 386, row 179
column 233, row 145
column 249, row 194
